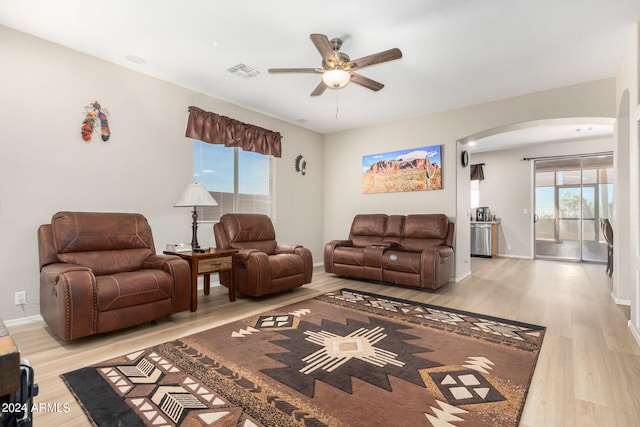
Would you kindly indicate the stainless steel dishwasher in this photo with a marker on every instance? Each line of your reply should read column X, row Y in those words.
column 480, row 239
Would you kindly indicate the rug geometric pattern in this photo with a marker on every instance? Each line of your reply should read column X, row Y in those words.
column 347, row 358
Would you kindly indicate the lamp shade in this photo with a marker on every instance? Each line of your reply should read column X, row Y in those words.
column 336, row 79
column 196, row 195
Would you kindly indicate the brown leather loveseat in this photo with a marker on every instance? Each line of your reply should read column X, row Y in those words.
column 99, row 272
column 411, row 250
column 261, row 266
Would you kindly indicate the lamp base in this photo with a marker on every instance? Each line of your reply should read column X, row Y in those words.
column 195, row 247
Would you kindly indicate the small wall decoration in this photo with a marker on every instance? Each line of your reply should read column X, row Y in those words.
column 95, row 111
column 464, row 159
column 416, row 169
column 301, row 164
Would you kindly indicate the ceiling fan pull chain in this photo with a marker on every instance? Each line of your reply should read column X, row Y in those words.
column 336, row 104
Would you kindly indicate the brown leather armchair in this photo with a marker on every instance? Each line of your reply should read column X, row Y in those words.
column 261, row 267
column 99, row 272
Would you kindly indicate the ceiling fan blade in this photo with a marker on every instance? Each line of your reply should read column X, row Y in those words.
column 376, row 58
column 295, row 70
column 323, row 45
column 319, row 90
column 366, row 82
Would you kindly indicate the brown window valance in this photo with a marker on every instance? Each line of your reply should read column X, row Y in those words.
column 216, row 129
column 477, row 172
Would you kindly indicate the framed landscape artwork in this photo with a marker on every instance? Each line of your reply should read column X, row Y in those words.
column 416, row 169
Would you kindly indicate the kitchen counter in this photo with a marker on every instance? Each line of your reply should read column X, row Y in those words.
column 484, row 238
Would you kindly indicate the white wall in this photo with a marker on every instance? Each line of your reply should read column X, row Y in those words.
column 46, row 167
column 343, row 155
column 507, row 198
column 626, row 277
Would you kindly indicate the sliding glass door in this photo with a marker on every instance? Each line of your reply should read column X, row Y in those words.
column 572, row 196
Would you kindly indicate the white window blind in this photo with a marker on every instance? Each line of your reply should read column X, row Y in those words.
column 240, row 181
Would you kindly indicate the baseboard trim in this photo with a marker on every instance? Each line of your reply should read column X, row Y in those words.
column 461, row 278
column 635, row 332
column 23, row 320
column 619, row 301
column 515, row 256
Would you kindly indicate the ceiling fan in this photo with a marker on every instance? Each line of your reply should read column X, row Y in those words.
column 338, row 69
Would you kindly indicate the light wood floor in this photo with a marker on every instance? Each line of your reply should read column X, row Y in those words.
column 588, row 373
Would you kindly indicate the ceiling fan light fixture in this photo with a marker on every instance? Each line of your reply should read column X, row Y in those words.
column 336, row 79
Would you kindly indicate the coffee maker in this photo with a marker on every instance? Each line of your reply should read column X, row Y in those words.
column 483, row 214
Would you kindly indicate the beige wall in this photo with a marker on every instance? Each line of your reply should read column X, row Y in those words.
column 343, row 155
column 45, row 166
column 508, row 198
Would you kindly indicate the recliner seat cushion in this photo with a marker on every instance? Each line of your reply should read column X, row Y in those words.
column 284, row 265
column 108, row 262
column 348, row 255
column 133, row 288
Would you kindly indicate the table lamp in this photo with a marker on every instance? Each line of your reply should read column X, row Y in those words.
column 195, row 195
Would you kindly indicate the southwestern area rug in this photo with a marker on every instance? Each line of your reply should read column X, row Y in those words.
column 346, row 358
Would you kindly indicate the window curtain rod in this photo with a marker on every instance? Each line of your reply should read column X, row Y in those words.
column 568, row 156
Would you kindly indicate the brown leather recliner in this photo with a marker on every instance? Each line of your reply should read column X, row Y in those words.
column 99, row 272
column 411, row 250
column 261, row 267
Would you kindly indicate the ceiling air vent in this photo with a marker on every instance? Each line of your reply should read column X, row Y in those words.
column 243, row 70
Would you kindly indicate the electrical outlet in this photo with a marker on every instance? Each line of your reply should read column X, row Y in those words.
column 21, row 297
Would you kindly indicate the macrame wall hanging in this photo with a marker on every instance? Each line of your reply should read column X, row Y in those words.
column 95, row 112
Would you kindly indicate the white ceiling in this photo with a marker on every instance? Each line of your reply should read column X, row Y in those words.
column 455, row 52
column 540, row 132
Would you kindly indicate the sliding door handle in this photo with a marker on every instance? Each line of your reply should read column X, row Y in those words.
column 535, row 218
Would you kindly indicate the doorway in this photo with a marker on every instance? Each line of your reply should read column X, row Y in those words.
column 572, row 196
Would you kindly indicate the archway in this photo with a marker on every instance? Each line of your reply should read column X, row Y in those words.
column 519, row 135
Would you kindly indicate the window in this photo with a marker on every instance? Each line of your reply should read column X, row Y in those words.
column 572, row 195
column 475, row 193
column 239, row 180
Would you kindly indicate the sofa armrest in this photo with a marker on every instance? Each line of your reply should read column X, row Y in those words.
column 437, row 266
column 251, row 268
column 68, row 300
column 244, row 254
column 51, row 271
column 180, row 272
column 445, row 251
column 287, row 249
column 303, row 253
column 329, row 248
column 335, row 243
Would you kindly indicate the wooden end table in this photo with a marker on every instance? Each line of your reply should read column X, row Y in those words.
column 205, row 263
column 9, row 363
